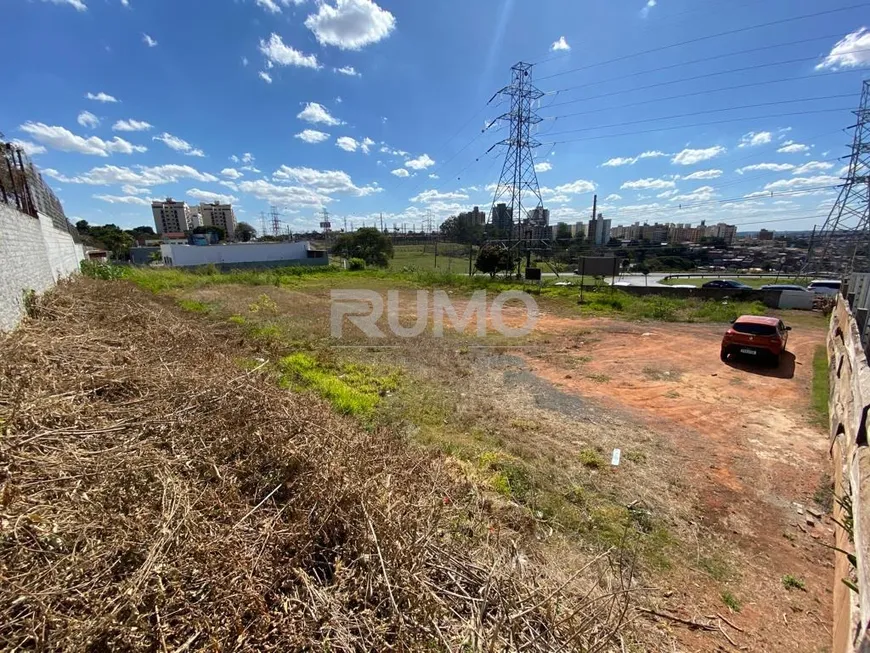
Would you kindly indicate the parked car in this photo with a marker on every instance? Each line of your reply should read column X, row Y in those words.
column 756, row 337
column 824, row 287
column 726, row 283
column 783, row 286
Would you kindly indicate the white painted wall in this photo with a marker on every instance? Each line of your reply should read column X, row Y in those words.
column 192, row 255
column 33, row 256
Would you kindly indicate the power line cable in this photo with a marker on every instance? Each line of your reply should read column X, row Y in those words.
column 707, row 38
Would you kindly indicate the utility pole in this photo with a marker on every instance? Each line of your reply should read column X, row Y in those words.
column 843, row 243
column 276, row 221
column 518, row 171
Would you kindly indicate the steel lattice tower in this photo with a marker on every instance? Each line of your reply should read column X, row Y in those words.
column 843, row 244
column 518, row 176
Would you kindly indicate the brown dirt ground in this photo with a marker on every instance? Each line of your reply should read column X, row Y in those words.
column 747, row 448
column 730, row 449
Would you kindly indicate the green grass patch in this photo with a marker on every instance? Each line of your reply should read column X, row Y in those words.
column 507, row 475
column 592, row 459
column 351, row 389
column 194, row 306
column 237, row 319
column 731, row 601
column 820, row 390
column 716, row 566
column 668, row 309
column 794, row 583
column 753, row 282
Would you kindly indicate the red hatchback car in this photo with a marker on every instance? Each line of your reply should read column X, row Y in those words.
column 756, row 337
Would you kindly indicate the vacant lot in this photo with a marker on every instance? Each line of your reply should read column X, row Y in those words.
column 720, row 465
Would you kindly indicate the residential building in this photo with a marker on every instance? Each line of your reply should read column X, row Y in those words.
column 764, row 234
column 599, row 230
column 539, row 217
column 219, row 215
column 578, row 230
column 474, row 217
column 171, row 216
column 195, row 217
column 502, row 219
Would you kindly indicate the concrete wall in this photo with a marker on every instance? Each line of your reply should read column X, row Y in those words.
column 241, row 255
column 34, row 255
column 770, row 298
column 849, row 406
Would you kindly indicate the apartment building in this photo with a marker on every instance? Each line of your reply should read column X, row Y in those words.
column 171, row 216
column 219, row 215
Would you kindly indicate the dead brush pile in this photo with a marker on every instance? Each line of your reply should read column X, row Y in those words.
column 156, row 494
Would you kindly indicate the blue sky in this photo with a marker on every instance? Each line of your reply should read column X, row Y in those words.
column 367, row 108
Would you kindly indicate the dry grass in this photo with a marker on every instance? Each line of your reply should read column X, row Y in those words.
column 156, row 494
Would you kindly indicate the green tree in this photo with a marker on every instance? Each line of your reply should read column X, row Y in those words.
column 82, row 226
column 461, row 229
column 245, row 232
column 113, row 239
column 368, row 243
column 144, row 230
column 563, row 231
column 221, row 234
column 492, row 259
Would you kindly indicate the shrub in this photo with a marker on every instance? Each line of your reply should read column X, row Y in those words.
column 356, row 264
column 104, row 271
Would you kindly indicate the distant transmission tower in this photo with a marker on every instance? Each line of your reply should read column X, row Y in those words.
column 518, row 176
column 262, row 223
column 276, row 221
column 843, row 244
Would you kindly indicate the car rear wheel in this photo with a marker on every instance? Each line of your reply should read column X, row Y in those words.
column 723, row 354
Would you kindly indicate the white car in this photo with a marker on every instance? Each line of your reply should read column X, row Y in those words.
column 826, row 287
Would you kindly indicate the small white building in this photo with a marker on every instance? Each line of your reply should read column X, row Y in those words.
column 242, row 255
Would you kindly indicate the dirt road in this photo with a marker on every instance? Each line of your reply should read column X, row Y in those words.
column 746, row 444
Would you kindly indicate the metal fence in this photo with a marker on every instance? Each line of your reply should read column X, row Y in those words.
column 22, row 187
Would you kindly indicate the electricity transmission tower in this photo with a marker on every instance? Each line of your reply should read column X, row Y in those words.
column 843, row 244
column 518, row 184
column 276, row 221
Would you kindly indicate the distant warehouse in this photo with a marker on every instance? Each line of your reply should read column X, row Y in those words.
column 243, row 255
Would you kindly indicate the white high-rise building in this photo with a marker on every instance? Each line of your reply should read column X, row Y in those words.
column 219, row 215
column 171, row 217
column 599, row 230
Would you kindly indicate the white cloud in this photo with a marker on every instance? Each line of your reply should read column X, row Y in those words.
column 579, row 186
column 647, row 7
column 755, row 138
column 366, row 145
column 630, row 161
column 317, row 113
column 561, row 44
column 232, row 173
column 284, row 55
column 790, row 147
column 312, row 136
column 101, row 97
column 131, row 126
column 87, row 119
column 133, row 190
column 125, row 3
column 667, row 193
column 178, row 144
column 269, row 5
column 400, row 172
column 812, row 166
column 773, row 167
column 851, row 51
column 690, row 157
column 324, row 181
column 420, row 163
column 350, row 24
column 802, row 182
column 429, row 196
column 434, row 176
column 209, row 196
column 147, row 40
column 284, row 195
column 244, row 61
column 59, row 138
column 613, row 197
column 350, row 71
column 698, row 195
column 338, row 99
column 648, row 184
column 78, row 5
column 29, row 148
column 125, row 199
column 543, row 166
column 138, row 176
column 247, row 157
column 346, row 143
column 266, row 77
column 704, row 174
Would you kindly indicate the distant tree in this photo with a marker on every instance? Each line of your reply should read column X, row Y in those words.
column 626, row 263
column 82, row 226
column 492, row 259
column 461, row 229
column 113, row 239
column 368, row 244
column 644, row 270
column 143, row 230
column 245, row 232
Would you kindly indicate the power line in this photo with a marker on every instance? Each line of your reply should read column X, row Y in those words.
column 720, row 110
column 691, row 79
column 699, row 124
column 706, row 38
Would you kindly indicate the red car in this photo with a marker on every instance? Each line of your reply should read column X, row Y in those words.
column 756, row 337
